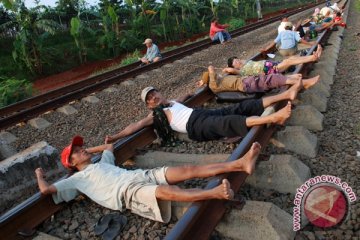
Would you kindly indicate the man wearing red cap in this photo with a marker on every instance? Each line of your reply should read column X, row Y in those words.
column 145, row 192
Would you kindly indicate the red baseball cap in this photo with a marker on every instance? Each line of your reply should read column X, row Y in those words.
column 65, row 155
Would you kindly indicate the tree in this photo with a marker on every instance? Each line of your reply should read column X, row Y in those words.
column 31, row 31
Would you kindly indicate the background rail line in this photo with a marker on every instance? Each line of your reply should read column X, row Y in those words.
column 32, row 107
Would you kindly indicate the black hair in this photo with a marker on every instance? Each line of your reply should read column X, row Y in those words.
column 338, row 14
column 162, row 127
column 230, row 61
column 152, row 90
column 288, row 28
column 214, row 19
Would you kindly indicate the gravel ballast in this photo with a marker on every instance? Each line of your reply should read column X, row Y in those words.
column 338, row 142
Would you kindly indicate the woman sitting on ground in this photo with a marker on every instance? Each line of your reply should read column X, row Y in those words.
column 218, row 31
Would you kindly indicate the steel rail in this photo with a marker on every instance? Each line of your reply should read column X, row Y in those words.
column 26, row 216
column 21, row 220
column 34, row 106
column 198, row 222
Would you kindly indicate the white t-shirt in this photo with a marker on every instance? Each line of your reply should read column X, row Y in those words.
column 180, row 116
column 102, row 182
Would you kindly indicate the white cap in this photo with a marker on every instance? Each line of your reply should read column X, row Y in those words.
column 148, row 40
column 288, row 24
column 145, row 92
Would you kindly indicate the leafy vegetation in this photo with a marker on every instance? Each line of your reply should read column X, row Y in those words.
column 13, row 90
column 45, row 40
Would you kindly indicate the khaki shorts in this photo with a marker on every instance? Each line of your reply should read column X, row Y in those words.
column 140, row 195
column 288, row 52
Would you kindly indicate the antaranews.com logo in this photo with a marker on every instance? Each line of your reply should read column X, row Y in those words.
column 323, row 200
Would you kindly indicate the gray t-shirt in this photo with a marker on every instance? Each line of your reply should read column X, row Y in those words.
column 102, row 182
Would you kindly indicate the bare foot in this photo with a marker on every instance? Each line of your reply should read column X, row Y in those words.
column 280, row 116
column 318, row 52
column 297, row 76
column 247, row 162
column 308, row 83
column 211, row 69
column 223, row 191
column 294, row 89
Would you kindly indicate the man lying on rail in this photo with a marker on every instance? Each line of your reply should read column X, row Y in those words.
column 206, row 124
column 145, row 192
column 252, row 84
column 253, row 68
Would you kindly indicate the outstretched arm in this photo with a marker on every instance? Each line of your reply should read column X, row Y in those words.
column 44, row 186
column 231, row 70
column 184, row 98
column 268, row 47
column 101, row 148
column 132, row 128
column 307, row 43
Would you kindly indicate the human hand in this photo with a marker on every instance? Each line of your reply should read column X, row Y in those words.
column 227, row 70
column 199, row 83
column 39, row 173
column 109, row 139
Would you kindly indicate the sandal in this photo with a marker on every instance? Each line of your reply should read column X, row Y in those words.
column 116, row 225
column 102, row 224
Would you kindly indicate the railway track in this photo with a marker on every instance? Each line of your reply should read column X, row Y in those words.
column 32, row 107
column 26, row 216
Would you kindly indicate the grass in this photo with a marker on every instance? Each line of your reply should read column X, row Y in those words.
column 131, row 58
column 357, row 129
column 357, row 5
column 13, row 90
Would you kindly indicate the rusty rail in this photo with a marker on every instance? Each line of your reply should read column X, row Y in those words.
column 29, row 214
column 198, row 222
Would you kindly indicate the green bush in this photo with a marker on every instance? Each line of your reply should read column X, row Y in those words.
column 236, row 23
column 131, row 58
column 13, row 90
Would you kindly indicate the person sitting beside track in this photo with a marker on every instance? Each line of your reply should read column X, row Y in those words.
column 205, row 124
column 152, row 53
column 218, row 31
column 242, row 67
column 145, row 192
column 287, row 41
column 281, row 27
column 252, row 84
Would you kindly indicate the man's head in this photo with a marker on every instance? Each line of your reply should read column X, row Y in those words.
column 235, row 62
column 288, row 26
column 148, row 42
column 151, row 97
column 285, row 19
column 214, row 20
column 74, row 154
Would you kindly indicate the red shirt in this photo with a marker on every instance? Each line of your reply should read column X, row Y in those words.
column 215, row 27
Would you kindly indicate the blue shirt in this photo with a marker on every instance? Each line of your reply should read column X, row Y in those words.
column 152, row 52
column 287, row 39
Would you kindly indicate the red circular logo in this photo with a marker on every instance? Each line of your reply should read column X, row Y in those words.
column 325, row 206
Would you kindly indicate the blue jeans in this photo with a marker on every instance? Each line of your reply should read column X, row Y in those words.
column 221, row 36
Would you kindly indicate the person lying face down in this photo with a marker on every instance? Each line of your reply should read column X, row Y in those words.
column 264, row 67
column 145, row 192
column 205, row 124
column 252, row 84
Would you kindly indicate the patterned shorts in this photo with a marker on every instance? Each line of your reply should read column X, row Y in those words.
column 270, row 67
